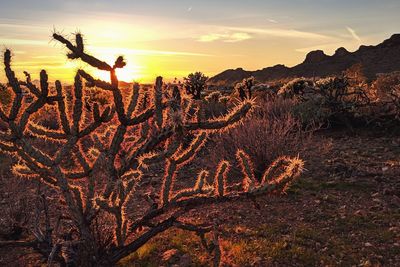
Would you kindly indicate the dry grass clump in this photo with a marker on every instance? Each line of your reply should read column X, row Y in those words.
column 270, row 132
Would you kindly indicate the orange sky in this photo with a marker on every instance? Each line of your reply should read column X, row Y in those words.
column 174, row 38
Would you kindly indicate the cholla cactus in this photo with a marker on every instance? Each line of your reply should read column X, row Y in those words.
column 340, row 95
column 387, row 90
column 296, row 88
column 214, row 97
column 100, row 159
column 194, row 84
column 244, row 89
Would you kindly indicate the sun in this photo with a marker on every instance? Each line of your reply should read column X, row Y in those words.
column 131, row 72
column 127, row 74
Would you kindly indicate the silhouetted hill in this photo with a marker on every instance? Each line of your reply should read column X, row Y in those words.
column 382, row 58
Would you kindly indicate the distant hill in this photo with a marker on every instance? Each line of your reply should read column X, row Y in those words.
column 382, row 58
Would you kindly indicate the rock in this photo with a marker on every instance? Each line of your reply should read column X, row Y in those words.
column 360, row 213
column 395, row 201
column 341, row 52
column 365, row 263
column 171, row 256
column 377, row 200
column 388, row 191
column 368, row 245
column 185, row 261
column 315, row 57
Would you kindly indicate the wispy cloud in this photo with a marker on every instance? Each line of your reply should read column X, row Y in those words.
column 354, row 34
column 143, row 52
column 225, row 37
column 15, row 41
column 273, row 21
column 280, row 32
column 237, row 34
column 21, row 25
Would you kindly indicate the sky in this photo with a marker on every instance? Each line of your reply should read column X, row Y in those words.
column 173, row 38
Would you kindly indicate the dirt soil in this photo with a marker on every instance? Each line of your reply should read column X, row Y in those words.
column 344, row 211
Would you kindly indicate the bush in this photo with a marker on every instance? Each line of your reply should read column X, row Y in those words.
column 270, row 132
column 387, row 89
column 336, row 99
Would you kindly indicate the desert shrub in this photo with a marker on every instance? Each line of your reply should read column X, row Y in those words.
column 114, row 169
column 387, row 89
column 270, row 132
column 312, row 112
column 336, row 99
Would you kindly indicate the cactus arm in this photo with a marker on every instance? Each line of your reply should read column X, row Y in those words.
column 43, row 132
column 31, row 87
column 13, row 82
column 134, row 100
column 92, row 82
column 3, row 115
column 61, row 109
column 220, row 178
column 78, row 52
column 168, row 180
column 249, row 180
column 77, row 109
column 230, row 119
column 183, row 157
column 158, row 102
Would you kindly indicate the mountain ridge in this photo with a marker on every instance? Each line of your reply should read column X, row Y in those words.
column 381, row 58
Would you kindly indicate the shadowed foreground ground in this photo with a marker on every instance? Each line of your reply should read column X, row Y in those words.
column 345, row 211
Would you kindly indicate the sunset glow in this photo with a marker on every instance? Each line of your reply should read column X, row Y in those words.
column 175, row 38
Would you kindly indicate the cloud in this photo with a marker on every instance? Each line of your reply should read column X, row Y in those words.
column 277, row 32
column 237, row 34
column 225, row 37
column 354, row 34
column 14, row 41
column 143, row 52
column 273, row 21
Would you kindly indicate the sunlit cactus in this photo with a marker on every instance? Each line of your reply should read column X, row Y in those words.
column 244, row 88
column 102, row 156
column 296, row 88
column 214, row 97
